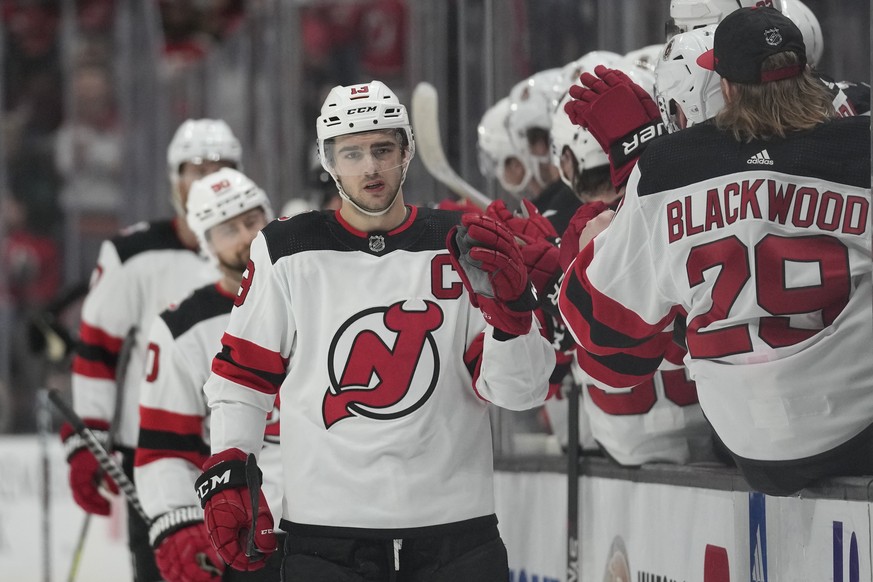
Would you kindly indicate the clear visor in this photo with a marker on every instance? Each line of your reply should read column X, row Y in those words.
column 367, row 153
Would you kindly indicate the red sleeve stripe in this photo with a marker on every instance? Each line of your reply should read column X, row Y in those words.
column 96, row 337
column 601, row 324
column 164, row 420
column 473, row 361
column 250, row 365
column 618, row 371
column 93, row 369
column 145, row 456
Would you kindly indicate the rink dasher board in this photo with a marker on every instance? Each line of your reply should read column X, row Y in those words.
column 104, row 557
column 669, row 532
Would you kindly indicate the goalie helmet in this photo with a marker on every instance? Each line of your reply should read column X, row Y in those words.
column 687, row 15
column 219, row 197
column 809, row 26
column 198, row 141
column 531, row 103
column 496, row 148
column 358, row 109
column 680, row 81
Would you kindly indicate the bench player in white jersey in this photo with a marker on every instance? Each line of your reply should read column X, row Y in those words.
column 756, row 230
column 138, row 274
column 225, row 211
column 359, row 320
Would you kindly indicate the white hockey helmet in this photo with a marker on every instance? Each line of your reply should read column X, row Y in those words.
column 571, row 71
column 197, row 141
column 687, row 15
column 356, row 109
column 646, row 57
column 809, row 26
column 496, row 148
column 531, row 103
column 587, row 153
column 679, row 80
column 219, row 197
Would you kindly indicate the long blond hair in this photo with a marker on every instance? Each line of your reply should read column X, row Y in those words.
column 765, row 110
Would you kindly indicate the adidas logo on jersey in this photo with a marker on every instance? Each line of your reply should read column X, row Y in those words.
column 761, row 157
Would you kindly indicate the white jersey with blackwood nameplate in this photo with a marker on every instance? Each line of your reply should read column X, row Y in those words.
column 174, row 417
column 139, row 273
column 765, row 247
column 375, row 349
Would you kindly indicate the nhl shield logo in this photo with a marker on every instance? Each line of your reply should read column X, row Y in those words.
column 773, row 36
column 377, row 243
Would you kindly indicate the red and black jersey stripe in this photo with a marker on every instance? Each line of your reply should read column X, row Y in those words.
column 248, row 364
column 165, row 434
column 96, row 353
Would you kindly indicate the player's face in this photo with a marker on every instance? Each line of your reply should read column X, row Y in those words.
column 370, row 167
column 191, row 171
column 230, row 240
column 513, row 171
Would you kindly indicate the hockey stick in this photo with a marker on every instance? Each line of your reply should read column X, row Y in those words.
column 425, row 122
column 254, row 485
column 106, row 461
column 573, row 559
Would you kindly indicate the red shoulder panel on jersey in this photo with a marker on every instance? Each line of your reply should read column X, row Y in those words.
column 603, row 325
column 250, row 365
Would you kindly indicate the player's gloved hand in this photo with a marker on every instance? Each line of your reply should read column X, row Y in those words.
column 541, row 261
column 183, row 552
column 86, row 477
column 490, row 263
column 570, row 238
column 528, row 223
column 227, row 508
column 459, row 206
column 620, row 115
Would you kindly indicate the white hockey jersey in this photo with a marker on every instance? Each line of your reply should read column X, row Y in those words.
column 375, row 350
column 174, row 418
column 656, row 421
column 765, row 247
column 138, row 274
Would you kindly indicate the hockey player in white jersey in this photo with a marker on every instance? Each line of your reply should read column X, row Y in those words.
column 359, row 320
column 756, row 230
column 138, row 274
column 225, row 210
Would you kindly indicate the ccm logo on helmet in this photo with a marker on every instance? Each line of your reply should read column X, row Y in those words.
column 355, row 110
column 208, row 485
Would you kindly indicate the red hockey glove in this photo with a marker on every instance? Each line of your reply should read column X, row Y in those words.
column 620, row 115
column 183, row 551
column 541, row 261
column 86, row 476
column 490, row 263
column 529, row 223
column 459, row 206
column 227, row 508
column 570, row 238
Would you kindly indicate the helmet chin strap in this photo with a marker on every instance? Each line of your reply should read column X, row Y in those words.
column 362, row 210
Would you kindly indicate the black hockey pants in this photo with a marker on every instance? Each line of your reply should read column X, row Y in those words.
column 473, row 556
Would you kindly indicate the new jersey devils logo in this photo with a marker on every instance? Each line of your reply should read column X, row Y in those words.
column 379, row 381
